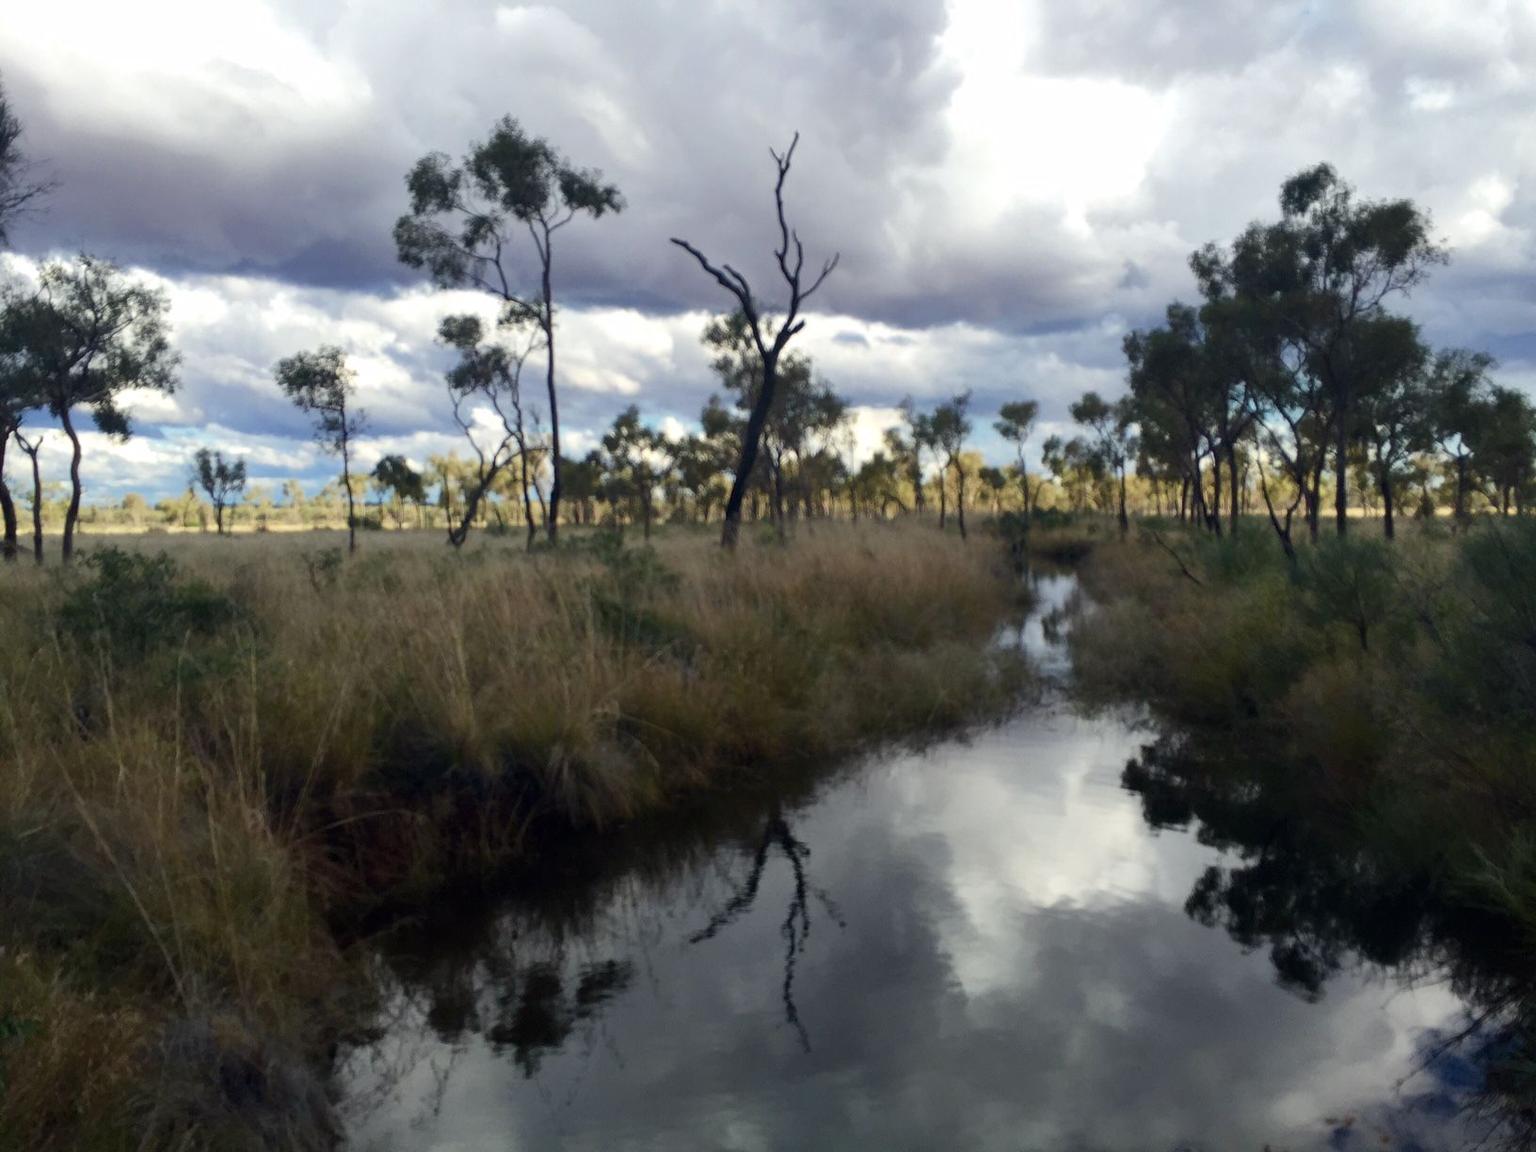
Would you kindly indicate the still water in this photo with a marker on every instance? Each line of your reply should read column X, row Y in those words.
column 993, row 943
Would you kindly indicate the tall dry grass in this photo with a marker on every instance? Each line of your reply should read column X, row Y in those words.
column 201, row 770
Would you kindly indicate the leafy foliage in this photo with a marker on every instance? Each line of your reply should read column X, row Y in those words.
column 134, row 605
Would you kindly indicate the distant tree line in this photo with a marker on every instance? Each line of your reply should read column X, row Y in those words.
column 1292, row 380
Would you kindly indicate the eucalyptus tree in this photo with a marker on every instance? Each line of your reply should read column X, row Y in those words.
column 583, row 481
column 488, row 375
column 769, row 340
column 1312, row 280
column 1014, row 423
column 82, row 338
column 639, row 459
column 464, row 223
column 223, row 481
column 1170, row 377
column 951, row 426
column 994, row 481
column 1506, row 454
column 906, row 461
column 876, row 486
column 1458, row 410
column 322, row 385
column 394, row 474
column 1393, row 415
column 1078, row 468
column 1114, row 443
column 923, row 438
column 698, row 464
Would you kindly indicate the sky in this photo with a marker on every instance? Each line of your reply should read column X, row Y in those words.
column 1012, row 186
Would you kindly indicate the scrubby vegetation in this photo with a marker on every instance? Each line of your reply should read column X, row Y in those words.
column 1397, row 681
column 208, row 761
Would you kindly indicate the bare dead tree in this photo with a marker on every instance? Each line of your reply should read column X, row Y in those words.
column 790, row 256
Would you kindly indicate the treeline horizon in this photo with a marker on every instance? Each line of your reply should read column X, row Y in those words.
column 1290, row 382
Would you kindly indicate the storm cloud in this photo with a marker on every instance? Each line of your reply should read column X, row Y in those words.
column 1012, row 186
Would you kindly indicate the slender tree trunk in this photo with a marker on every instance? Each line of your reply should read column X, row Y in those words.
column 37, row 503
column 776, row 468
column 1386, row 501
column 1125, row 523
column 1236, row 497
column 72, row 512
column 8, row 548
column 552, row 511
column 346, row 483
column 522, row 457
column 1213, row 516
column 1461, row 490
column 1315, row 499
column 960, row 498
column 1341, row 476
column 943, row 501
column 749, row 445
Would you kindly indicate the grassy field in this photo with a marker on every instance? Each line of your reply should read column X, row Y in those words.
column 211, row 757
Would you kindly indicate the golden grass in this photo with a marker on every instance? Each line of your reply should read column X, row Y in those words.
column 179, row 824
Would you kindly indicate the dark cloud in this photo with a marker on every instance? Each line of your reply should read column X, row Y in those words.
column 1034, row 175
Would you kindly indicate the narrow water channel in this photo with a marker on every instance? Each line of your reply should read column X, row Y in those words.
column 987, row 944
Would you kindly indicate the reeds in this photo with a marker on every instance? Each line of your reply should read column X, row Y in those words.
column 186, row 808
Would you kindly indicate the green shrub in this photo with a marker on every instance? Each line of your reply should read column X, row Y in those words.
column 136, row 604
column 1351, row 582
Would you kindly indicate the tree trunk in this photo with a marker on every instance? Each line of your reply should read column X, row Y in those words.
column 1386, row 501
column 552, row 510
column 1213, row 516
column 8, row 548
column 37, row 505
column 527, row 500
column 943, row 501
column 1314, row 499
column 72, row 512
column 1341, row 477
column 1236, row 497
column 1125, row 523
column 749, row 444
column 776, row 469
column 960, row 498
column 346, row 483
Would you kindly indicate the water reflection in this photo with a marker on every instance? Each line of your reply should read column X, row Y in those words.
column 1026, row 959
column 796, row 926
column 1320, row 898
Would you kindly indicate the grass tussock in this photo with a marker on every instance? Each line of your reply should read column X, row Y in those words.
column 205, row 760
column 1396, row 680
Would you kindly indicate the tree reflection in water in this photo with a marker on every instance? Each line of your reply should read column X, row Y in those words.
column 531, row 972
column 796, row 927
column 1301, row 880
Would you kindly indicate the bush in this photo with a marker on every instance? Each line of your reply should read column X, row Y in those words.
column 1351, row 582
column 137, row 604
